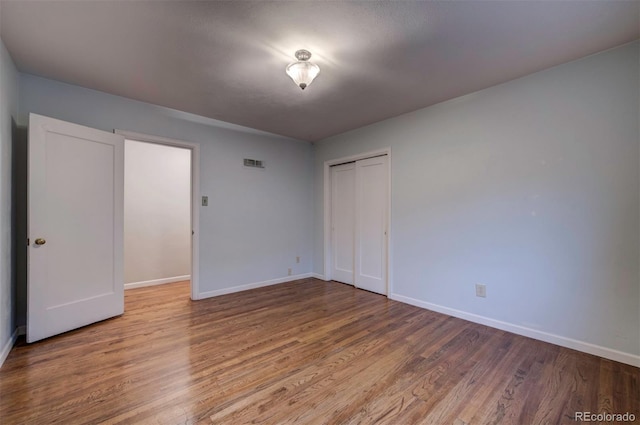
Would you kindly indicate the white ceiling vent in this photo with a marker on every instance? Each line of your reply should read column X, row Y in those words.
column 255, row 163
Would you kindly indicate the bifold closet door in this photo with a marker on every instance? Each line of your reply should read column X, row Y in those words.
column 372, row 189
column 343, row 201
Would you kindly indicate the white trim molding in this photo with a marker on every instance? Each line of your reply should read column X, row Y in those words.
column 248, row 286
column 9, row 345
column 562, row 341
column 195, row 197
column 155, row 282
column 319, row 276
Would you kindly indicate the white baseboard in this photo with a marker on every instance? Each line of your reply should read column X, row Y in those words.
column 8, row 346
column 156, row 282
column 562, row 341
column 248, row 286
column 319, row 276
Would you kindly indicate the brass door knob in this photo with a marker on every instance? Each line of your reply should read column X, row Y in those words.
column 40, row 241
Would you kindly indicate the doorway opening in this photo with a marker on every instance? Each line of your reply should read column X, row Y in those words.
column 160, row 212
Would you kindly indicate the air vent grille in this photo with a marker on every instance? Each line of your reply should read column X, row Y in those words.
column 255, row 163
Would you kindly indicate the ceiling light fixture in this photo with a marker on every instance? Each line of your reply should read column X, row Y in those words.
column 303, row 72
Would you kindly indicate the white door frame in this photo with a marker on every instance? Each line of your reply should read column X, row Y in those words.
column 327, row 211
column 195, row 196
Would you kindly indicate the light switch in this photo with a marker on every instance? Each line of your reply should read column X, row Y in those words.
column 205, row 201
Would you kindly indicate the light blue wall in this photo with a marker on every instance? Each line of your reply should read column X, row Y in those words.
column 8, row 111
column 530, row 187
column 257, row 221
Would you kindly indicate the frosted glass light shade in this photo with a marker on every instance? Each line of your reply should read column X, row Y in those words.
column 303, row 72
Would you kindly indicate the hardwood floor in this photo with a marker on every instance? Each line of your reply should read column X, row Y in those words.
column 302, row 352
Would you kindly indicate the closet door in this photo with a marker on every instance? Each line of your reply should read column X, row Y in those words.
column 372, row 177
column 343, row 182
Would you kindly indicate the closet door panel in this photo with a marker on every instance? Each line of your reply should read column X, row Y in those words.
column 343, row 181
column 371, row 224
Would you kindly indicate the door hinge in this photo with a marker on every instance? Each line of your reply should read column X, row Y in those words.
column 27, row 241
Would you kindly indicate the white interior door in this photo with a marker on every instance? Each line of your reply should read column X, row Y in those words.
column 75, row 222
column 343, row 201
column 372, row 176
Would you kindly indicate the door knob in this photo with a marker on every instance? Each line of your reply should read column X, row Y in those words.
column 40, row 241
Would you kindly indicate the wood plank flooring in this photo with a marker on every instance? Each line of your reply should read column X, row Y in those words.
column 305, row 352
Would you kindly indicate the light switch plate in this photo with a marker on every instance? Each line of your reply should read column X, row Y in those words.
column 205, row 201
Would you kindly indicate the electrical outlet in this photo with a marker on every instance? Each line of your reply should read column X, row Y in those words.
column 290, row 272
column 481, row 290
column 297, row 259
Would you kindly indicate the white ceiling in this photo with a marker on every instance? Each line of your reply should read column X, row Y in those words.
column 226, row 59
